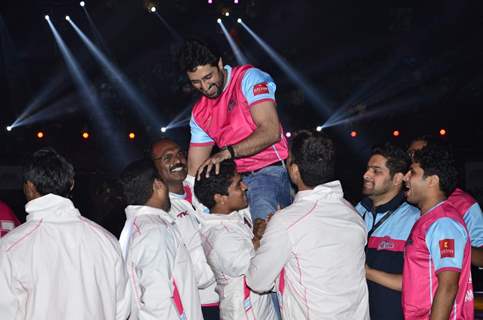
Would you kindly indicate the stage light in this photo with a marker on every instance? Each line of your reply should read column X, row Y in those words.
column 236, row 1
column 40, row 135
column 396, row 133
column 288, row 134
column 153, row 9
column 67, row 18
column 9, row 128
column 132, row 135
column 210, row 1
column 442, row 132
column 353, row 133
column 227, row 14
column 47, row 17
column 164, row 129
column 239, row 20
column 319, row 128
column 218, row 20
column 82, row 3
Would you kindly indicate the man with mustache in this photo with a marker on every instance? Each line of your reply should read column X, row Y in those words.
column 170, row 162
column 436, row 280
column 389, row 219
column 467, row 206
column 237, row 113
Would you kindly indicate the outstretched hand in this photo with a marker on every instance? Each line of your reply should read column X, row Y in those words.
column 213, row 161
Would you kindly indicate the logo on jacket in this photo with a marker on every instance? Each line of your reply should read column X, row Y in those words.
column 182, row 214
column 385, row 245
column 260, row 88
column 446, row 248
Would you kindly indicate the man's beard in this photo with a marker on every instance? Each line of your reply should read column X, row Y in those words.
column 219, row 87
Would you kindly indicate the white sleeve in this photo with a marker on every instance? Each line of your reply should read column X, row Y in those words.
column 270, row 258
column 123, row 290
column 8, row 300
column 231, row 253
column 150, row 273
column 189, row 229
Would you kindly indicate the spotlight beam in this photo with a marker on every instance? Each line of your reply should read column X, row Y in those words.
column 176, row 36
column 96, row 32
column 115, row 148
column 322, row 104
column 141, row 106
column 240, row 58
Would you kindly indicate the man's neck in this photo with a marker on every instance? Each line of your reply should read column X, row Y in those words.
column 220, row 209
column 382, row 199
column 176, row 188
column 426, row 205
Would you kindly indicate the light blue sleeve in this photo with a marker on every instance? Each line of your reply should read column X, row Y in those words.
column 474, row 223
column 258, row 85
column 446, row 241
column 198, row 135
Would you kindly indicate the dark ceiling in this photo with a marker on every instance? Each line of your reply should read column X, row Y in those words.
column 412, row 69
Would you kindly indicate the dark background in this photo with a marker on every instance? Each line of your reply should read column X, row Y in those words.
column 414, row 69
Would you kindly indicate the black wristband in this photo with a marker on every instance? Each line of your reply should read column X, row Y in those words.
column 231, row 151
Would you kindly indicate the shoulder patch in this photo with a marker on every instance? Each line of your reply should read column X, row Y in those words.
column 446, row 248
column 261, row 88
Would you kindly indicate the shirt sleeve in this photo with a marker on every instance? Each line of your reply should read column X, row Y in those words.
column 123, row 290
column 8, row 299
column 258, row 86
column 190, row 232
column 198, row 136
column 231, row 252
column 150, row 273
column 474, row 222
column 270, row 258
column 446, row 241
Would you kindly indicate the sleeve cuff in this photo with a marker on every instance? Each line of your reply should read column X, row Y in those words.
column 262, row 100
column 454, row 269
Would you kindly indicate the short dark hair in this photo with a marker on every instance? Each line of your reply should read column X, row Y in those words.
column 313, row 152
column 430, row 139
column 206, row 188
column 397, row 160
column 49, row 172
column 437, row 159
column 196, row 53
column 137, row 181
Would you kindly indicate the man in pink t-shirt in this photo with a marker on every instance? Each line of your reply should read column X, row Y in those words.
column 436, row 279
column 8, row 220
column 237, row 113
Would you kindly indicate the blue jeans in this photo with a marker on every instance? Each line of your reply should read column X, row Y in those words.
column 268, row 190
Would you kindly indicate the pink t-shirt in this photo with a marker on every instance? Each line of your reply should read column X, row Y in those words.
column 227, row 120
column 8, row 220
column 438, row 242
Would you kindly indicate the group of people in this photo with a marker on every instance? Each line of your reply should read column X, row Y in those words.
column 219, row 235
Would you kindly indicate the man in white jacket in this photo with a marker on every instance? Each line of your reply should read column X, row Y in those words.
column 58, row 264
column 227, row 241
column 170, row 162
column 312, row 252
column 158, row 263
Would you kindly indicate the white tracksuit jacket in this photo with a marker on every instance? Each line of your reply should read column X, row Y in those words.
column 227, row 240
column 159, row 267
column 186, row 219
column 59, row 265
column 313, row 252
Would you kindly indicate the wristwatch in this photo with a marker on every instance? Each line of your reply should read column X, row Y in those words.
column 231, row 151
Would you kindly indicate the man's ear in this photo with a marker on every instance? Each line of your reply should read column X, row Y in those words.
column 30, row 190
column 158, row 186
column 433, row 181
column 398, row 179
column 220, row 63
column 294, row 173
column 72, row 183
column 219, row 199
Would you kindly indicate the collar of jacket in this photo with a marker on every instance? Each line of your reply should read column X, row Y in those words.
column 51, row 207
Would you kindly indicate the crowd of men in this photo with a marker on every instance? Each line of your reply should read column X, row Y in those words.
column 219, row 235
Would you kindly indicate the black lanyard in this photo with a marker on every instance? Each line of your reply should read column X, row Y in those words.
column 379, row 223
